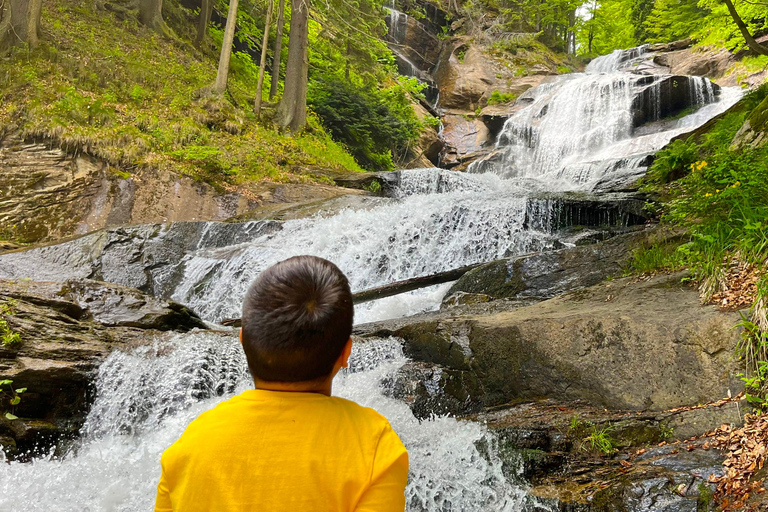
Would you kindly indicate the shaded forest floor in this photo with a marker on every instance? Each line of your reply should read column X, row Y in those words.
column 109, row 87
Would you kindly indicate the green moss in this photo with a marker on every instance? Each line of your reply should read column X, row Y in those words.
column 758, row 119
column 498, row 98
column 110, row 87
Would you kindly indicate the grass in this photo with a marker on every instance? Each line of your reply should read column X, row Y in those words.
column 109, row 87
column 8, row 338
column 594, row 438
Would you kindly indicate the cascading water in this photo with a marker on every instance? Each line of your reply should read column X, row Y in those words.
column 145, row 399
column 581, row 133
column 595, row 131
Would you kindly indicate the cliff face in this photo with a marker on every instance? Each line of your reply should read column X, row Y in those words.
column 46, row 194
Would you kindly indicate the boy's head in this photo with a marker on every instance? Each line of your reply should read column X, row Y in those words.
column 297, row 319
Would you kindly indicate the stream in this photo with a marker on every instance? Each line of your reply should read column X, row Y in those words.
column 588, row 133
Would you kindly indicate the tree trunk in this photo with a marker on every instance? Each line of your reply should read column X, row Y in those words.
column 263, row 61
column 753, row 45
column 226, row 48
column 151, row 14
column 277, row 58
column 206, row 9
column 19, row 23
column 292, row 111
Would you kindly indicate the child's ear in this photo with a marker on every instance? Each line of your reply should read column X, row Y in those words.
column 345, row 354
column 241, row 335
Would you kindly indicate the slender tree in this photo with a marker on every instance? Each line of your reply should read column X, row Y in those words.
column 19, row 23
column 206, row 9
column 226, row 49
column 276, row 59
column 292, row 110
column 263, row 60
column 750, row 40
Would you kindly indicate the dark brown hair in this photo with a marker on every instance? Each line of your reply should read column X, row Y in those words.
column 297, row 317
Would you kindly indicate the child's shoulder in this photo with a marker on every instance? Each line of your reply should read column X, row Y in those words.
column 360, row 412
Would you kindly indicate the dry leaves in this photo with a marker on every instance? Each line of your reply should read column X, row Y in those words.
column 746, row 449
column 739, row 286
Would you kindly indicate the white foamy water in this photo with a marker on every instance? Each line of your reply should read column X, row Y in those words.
column 146, row 397
column 418, row 235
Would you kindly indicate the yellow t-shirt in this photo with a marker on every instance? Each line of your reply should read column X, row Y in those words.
column 272, row 451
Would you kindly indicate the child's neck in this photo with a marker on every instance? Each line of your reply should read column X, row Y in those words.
column 316, row 386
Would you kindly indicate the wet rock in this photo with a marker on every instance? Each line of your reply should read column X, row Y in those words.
column 463, row 298
column 145, row 257
column 433, row 390
column 462, row 136
column 594, row 345
column 46, row 194
column 542, row 444
column 417, row 46
column 665, row 96
column 549, row 273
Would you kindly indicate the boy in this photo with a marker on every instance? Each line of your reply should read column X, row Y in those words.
column 288, row 445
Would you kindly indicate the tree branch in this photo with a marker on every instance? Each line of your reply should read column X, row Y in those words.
column 753, row 45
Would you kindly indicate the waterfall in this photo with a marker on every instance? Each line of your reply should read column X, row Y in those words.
column 146, row 397
column 616, row 60
column 582, row 132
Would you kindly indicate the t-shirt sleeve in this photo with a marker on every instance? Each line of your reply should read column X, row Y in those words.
column 163, row 499
column 386, row 492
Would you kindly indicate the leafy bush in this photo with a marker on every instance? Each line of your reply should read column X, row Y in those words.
column 375, row 125
column 497, row 98
column 672, row 162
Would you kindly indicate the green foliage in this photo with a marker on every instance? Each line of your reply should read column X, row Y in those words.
column 671, row 20
column 722, row 199
column 375, row 125
column 431, row 121
column 606, row 27
column 599, row 440
column 640, row 11
column 374, row 187
column 8, row 338
column 12, row 396
column 666, row 431
column 753, row 350
column 657, row 257
column 498, row 98
column 673, row 162
column 106, row 85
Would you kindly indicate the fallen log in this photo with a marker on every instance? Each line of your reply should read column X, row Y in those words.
column 388, row 290
column 411, row 284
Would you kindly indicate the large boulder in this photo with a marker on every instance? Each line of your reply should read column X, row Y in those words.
column 467, row 76
column 462, row 136
column 697, row 61
column 65, row 331
column 547, row 274
column 752, row 133
column 659, row 97
column 617, row 345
